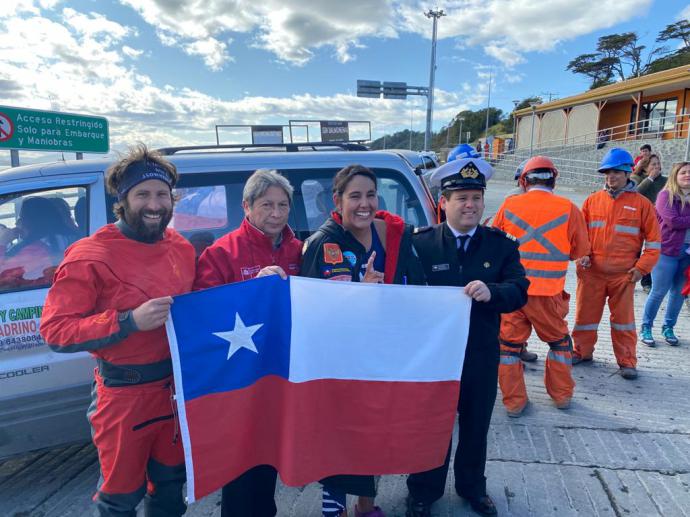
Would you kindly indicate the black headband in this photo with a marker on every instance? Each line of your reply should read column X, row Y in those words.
column 141, row 171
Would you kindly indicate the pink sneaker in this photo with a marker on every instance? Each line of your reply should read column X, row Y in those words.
column 376, row 512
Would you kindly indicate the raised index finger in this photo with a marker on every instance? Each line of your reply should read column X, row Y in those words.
column 370, row 262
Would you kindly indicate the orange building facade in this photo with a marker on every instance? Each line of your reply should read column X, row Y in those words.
column 655, row 105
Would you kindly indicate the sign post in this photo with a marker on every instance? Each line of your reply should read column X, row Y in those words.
column 37, row 130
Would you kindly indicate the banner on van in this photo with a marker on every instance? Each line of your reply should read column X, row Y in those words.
column 20, row 316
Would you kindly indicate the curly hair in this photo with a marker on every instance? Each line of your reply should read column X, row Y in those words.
column 137, row 153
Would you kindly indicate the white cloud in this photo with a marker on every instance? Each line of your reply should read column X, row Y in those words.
column 508, row 28
column 290, row 29
column 66, row 65
column 213, row 52
column 131, row 52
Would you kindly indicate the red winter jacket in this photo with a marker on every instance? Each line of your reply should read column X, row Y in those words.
column 106, row 274
column 242, row 253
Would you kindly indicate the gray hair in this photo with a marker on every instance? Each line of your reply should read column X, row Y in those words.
column 259, row 182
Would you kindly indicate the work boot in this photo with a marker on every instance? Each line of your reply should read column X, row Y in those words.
column 579, row 359
column 669, row 336
column 417, row 508
column 517, row 413
column 563, row 404
column 628, row 373
column 527, row 356
column 646, row 335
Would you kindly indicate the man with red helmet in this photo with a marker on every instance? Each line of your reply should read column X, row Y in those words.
column 551, row 231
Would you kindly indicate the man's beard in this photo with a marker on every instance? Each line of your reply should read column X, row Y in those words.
column 147, row 232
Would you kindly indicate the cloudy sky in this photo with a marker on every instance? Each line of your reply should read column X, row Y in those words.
column 165, row 72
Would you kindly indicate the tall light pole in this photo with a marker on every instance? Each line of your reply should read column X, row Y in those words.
column 461, row 120
column 435, row 15
column 488, row 106
column 532, row 105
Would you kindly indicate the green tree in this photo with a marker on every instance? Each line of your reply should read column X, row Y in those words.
column 679, row 30
column 618, row 56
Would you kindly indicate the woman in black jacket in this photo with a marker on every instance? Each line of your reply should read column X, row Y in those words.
column 359, row 243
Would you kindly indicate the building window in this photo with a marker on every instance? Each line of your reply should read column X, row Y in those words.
column 655, row 116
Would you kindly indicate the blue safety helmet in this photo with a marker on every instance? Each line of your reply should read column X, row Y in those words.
column 462, row 151
column 618, row 159
column 519, row 169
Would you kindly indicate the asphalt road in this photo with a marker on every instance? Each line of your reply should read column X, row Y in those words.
column 623, row 448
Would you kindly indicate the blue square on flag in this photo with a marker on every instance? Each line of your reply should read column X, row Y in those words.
column 232, row 341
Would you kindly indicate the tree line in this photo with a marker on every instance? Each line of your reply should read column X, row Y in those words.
column 621, row 56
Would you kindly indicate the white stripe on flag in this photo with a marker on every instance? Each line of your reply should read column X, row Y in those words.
column 181, row 408
column 350, row 330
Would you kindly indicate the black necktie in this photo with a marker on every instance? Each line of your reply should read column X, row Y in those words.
column 462, row 241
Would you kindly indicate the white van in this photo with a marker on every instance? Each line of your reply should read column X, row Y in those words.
column 44, row 395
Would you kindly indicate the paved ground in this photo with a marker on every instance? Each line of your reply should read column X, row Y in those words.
column 623, row 448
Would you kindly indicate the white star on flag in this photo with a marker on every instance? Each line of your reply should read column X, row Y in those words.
column 240, row 336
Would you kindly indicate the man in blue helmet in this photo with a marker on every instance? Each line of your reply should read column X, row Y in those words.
column 626, row 243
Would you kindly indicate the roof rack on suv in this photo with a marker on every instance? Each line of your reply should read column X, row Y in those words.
column 288, row 147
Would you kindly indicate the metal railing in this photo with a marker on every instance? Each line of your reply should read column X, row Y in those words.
column 669, row 126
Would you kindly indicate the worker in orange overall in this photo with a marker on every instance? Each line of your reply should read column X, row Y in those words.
column 551, row 231
column 626, row 243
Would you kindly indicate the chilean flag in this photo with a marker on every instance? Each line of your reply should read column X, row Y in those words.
column 316, row 378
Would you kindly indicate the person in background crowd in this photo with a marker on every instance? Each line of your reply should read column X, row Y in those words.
column 359, row 243
column 263, row 245
column 551, row 231
column 111, row 297
column 642, row 159
column 486, row 263
column 621, row 222
column 649, row 181
column 673, row 212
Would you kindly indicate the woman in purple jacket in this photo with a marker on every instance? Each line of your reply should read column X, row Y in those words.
column 673, row 212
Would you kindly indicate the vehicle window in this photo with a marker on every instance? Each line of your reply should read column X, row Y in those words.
column 428, row 163
column 318, row 201
column 200, row 208
column 313, row 200
column 208, row 206
column 35, row 229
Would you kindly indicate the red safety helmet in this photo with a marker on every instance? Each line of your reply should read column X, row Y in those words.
column 539, row 166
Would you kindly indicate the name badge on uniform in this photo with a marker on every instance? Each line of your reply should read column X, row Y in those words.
column 440, row 267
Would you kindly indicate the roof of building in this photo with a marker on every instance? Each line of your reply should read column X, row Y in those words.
column 651, row 84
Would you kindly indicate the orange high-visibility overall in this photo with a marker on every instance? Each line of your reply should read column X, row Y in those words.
column 551, row 231
column 618, row 227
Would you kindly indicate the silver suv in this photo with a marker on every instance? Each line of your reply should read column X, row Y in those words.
column 43, row 395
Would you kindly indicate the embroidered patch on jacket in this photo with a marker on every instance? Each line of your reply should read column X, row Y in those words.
column 249, row 272
column 351, row 257
column 332, row 253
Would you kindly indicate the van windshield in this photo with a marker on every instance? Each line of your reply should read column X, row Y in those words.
column 210, row 204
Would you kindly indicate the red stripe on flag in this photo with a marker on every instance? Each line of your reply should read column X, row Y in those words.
column 316, row 429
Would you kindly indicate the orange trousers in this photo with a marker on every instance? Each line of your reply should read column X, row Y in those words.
column 593, row 289
column 546, row 314
column 140, row 455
